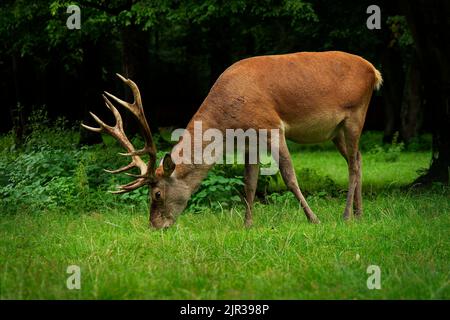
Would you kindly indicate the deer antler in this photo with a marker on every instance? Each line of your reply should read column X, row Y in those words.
column 147, row 170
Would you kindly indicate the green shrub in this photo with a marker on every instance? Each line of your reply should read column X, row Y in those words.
column 281, row 199
column 422, row 142
column 388, row 153
column 51, row 171
column 217, row 191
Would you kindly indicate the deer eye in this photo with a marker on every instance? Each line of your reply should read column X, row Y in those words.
column 158, row 195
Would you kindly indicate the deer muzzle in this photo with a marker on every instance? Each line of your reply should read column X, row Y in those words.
column 159, row 221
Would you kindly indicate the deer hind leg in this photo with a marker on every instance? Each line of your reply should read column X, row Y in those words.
column 339, row 141
column 290, row 179
column 352, row 132
column 250, row 180
column 357, row 206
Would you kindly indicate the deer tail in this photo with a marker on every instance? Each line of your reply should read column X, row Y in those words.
column 378, row 79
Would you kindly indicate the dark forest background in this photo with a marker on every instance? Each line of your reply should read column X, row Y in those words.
column 175, row 50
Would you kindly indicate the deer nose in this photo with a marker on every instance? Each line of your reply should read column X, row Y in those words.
column 164, row 225
column 160, row 222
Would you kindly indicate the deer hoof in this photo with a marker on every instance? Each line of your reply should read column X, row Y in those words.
column 314, row 220
column 346, row 216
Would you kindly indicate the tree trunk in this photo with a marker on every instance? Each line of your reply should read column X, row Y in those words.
column 18, row 111
column 430, row 27
column 136, row 66
column 392, row 92
column 412, row 111
column 91, row 99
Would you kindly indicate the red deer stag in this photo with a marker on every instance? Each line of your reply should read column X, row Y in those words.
column 309, row 97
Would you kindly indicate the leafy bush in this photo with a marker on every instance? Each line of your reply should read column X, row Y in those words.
column 311, row 183
column 217, row 191
column 51, row 171
column 388, row 153
column 316, row 184
column 281, row 199
column 58, row 134
column 420, row 143
column 368, row 140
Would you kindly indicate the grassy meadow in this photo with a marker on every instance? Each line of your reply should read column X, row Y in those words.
column 55, row 212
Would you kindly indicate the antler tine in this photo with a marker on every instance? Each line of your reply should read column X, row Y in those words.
column 135, row 107
column 123, row 169
column 136, row 95
column 117, row 131
column 118, row 191
column 122, row 102
column 130, row 186
column 91, row 128
column 138, row 111
column 103, row 125
column 119, row 121
column 134, row 175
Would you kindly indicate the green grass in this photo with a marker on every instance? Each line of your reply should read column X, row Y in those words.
column 209, row 255
column 377, row 174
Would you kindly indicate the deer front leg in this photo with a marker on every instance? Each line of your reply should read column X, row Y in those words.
column 250, row 180
column 290, row 179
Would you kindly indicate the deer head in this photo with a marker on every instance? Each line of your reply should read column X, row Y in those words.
column 167, row 196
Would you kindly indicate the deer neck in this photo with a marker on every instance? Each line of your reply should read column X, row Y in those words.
column 193, row 172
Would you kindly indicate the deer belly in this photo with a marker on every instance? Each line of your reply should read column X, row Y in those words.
column 313, row 130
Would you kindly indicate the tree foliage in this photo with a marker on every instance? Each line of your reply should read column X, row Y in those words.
column 175, row 50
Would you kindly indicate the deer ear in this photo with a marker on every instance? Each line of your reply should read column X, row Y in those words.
column 168, row 165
